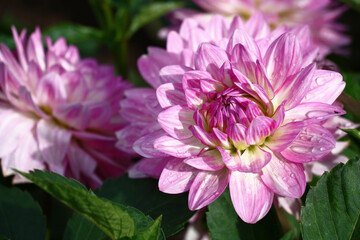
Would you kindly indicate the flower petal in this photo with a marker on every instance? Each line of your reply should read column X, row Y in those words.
column 173, row 73
column 259, row 129
column 178, row 148
column 283, row 58
column 176, row 121
column 207, row 187
column 284, row 136
column 145, row 145
column 251, row 198
column 284, row 178
column 170, row 94
column 210, row 58
column 50, row 90
column 74, row 114
column 208, row 161
column 148, row 167
column 313, row 143
column 176, row 177
column 53, row 143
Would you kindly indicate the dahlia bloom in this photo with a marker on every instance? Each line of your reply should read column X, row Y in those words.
column 320, row 15
column 238, row 110
column 59, row 112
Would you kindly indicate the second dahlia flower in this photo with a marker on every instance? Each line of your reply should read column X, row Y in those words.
column 59, row 112
column 320, row 15
column 242, row 113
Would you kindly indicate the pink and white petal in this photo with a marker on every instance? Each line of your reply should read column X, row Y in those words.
column 80, row 162
column 240, row 36
column 295, row 88
column 35, row 49
column 100, row 113
column 217, row 28
column 170, row 94
column 283, row 177
column 174, row 43
column 290, row 205
column 26, row 98
column 208, row 161
column 231, row 159
column 325, row 88
column 327, row 163
column 179, row 148
column 244, row 61
column 222, row 138
column 50, row 90
column 53, row 142
column 253, row 159
column 148, row 167
column 145, row 145
column 313, row 143
column 194, row 98
column 284, row 136
column 251, row 198
column 173, row 73
column 207, row 187
column 257, row 26
column 282, row 59
column 75, row 115
column 12, row 127
column 192, row 79
column 149, row 70
column 176, row 121
column 210, row 58
column 24, row 158
column 259, row 129
column 176, row 177
column 203, row 136
column 20, row 49
column 312, row 112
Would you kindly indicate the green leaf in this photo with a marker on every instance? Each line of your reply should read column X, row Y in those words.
column 150, row 233
column 149, row 13
column 87, row 39
column 352, row 87
column 8, row 40
column 353, row 3
column 144, row 195
column 224, row 223
column 79, row 228
column 332, row 207
column 20, row 216
column 353, row 132
column 110, row 218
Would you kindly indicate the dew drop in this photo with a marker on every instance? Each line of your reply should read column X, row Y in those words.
column 292, row 175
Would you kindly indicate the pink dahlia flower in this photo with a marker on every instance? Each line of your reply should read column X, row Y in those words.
column 320, row 15
column 59, row 112
column 238, row 110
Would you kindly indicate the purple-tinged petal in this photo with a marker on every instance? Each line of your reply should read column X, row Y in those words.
column 253, row 159
column 231, row 159
column 217, row 28
column 284, row 136
column 236, row 23
column 145, row 145
column 290, row 205
column 50, row 90
column 237, row 134
column 251, row 198
column 203, row 136
column 75, row 115
column 325, row 88
column 20, row 49
column 176, row 121
column 170, row 94
column 179, row 148
column 210, row 85
column 174, row 43
column 283, row 58
column 53, row 142
column 222, row 138
column 176, row 177
column 75, row 85
column 257, row 26
column 259, row 129
column 209, row 161
column 312, row 112
column 326, row 164
column 207, row 187
column 226, row 75
column 26, row 98
column 34, row 74
column 284, row 178
column 148, row 167
column 12, row 127
column 210, row 58
column 295, row 88
column 244, row 61
column 240, row 36
column 173, row 73
column 279, row 115
column 192, row 79
column 100, row 114
column 194, row 98
column 80, row 162
column 7, row 58
column 35, row 49
column 313, row 143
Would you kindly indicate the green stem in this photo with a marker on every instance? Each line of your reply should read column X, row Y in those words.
column 121, row 57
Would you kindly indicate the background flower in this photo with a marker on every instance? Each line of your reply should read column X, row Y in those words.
column 59, row 112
